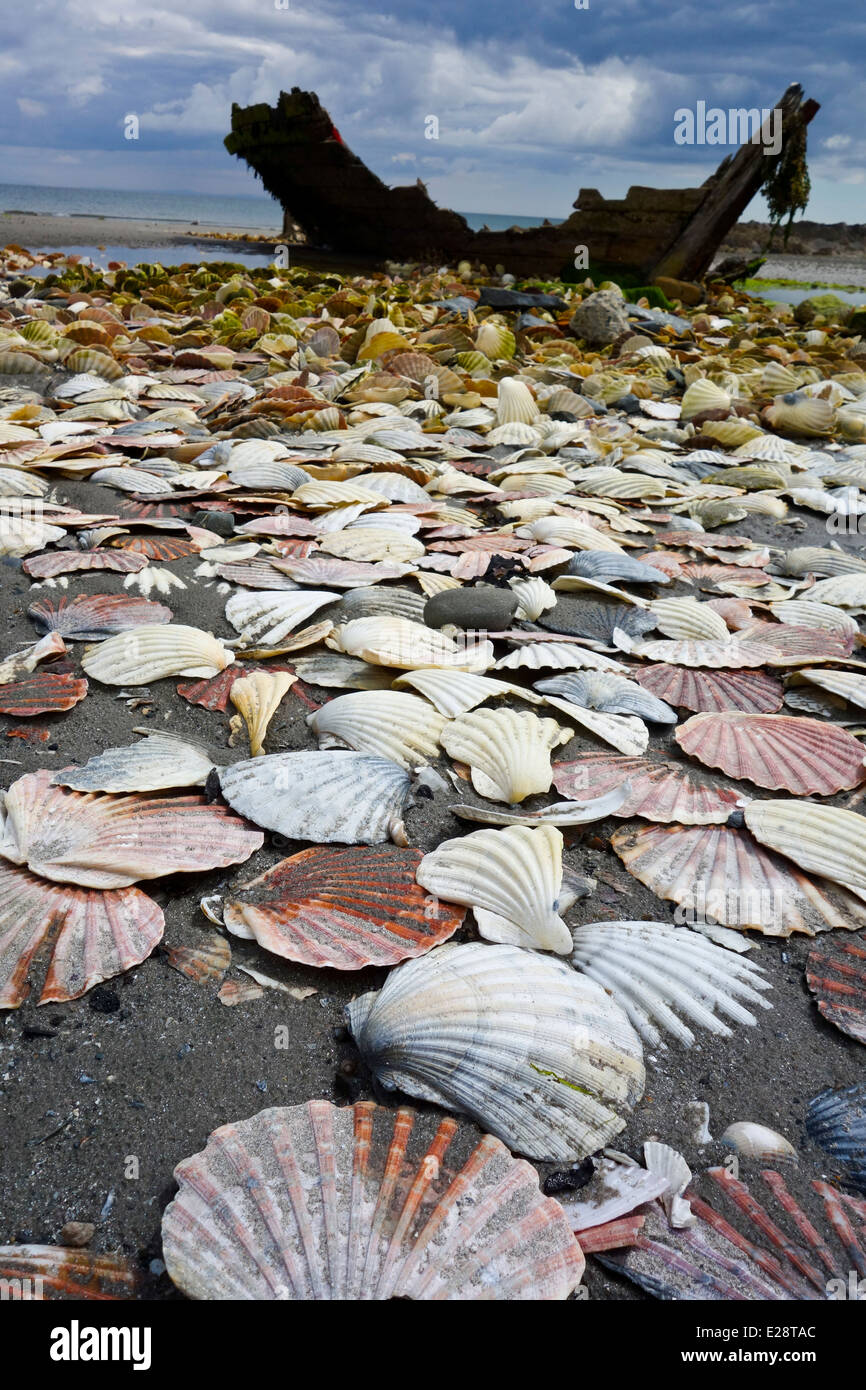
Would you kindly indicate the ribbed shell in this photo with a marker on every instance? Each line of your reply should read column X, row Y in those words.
column 508, row 751
column 343, row 574
column 314, row 1202
column 457, row 692
column 266, row 618
column 779, row 751
column 342, row 908
column 757, row 1141
column 53, row 562
column 158, row 762
column 752, row 692
column 153, row 653
column 91, row 936
column 729, row 655
column 703, row 395
column 623, row 732
column 796, row 646
column 821, row 839
column 69, row 1274
column 663, row 792
column 402, row 727
column 836, row 976
column 609, row 693
column 685, row 619
column 595, row 621
column 407, row 645
column 666, row 978
column 331, row 670
column 373, row 602
column 373, row 544
column 536, row 1053
column 90, row 617
column 836, row 1121
column 257, row 697
column 562, row 530
column 804, row 613
column 558, row 656
column 714, row 871
column 101, row 841
column 535, row 597
column 203, row 964
column 512, row 880
column 841, row 591
column 848, row 684
column 557, row 813
column 603, row 565
column 41, row 693
column 347, row 798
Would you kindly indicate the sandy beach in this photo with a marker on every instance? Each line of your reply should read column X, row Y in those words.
column 39, row 231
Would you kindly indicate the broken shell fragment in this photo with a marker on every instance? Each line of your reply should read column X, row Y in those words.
column 63, row 1273
column 512, row 880
column 41, row 693
column 536, row 1053
column 757, row 1141
column 202, row 964
column 257, row 697
column 362, row 1204
column 836, row 976
column 457, row 692
column 265, row 618
column 342, row 908
column 609, row 694
column 624, row 732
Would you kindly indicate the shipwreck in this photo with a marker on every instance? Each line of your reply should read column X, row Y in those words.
column 340, row 205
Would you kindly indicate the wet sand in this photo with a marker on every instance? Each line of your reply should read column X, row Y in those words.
column 38, row 232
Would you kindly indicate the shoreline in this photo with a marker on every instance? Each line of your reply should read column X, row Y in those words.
column 43, row 231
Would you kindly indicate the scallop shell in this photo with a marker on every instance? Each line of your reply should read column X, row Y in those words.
column 457, row 692
column 402, row 727
column 515, row 402
column 508, row 752
column 344, row 574
column 374, row 544
column 90, row 936
column 836, row 1121
column 752, row 692
column 603, row 565
column 159, row 762
column 329, row 669
column 847, row 684
column 714, row 872
column 147, row 654
column 685, row 619
column 535, row 596
column 512, row 880
column 536, row 1053
column 757, row 1141
column 257, row 697
column 836, row 976
column 343, row 909
column 566, row 813
column 56, row 562
column 821, row 839
column 90, row 617
column 361, row 1205
column 727, row 655
column 799, row 414
column 558, row 656
column 657, row 791
column 666, row 978
column 805, row 613
column 23, row 662
column 563, row 531
column 41, row 693
column 840, row 591
column 267, row 618
column 597, row 621
column 65, row 1273
column 623, row 732
column 203, row 964
column 406, row 645
column 380, row 601
column 779, row 751
column 344, row 798
column 609, row 694
column 796, row 646
column 101, row 841
column 667, row 1163
column 703, row 395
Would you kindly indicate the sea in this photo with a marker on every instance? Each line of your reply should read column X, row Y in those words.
column 253, row 213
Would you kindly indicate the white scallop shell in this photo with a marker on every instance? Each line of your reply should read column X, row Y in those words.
column 457, row 692
column 401, row 643
column 512, row 880
column 845, row 683
column 686, row 619
column 154, row 652
column 805, row 613
column 316, row 495
column 820, row 839
column 328, row 798
column 372, row 543
column 161, row 760
column 515, row 403
column 670, row 1165
column 666, row 978
column 536, row 1053
column 841, row 591
column 624, row 732
column 757, row 1141
column 508, row 751
column 402, row 727
column 562, row 530
column 535, row 597
column 557, row 656
column 257, row 697
column 703, row 395
column 267, row 617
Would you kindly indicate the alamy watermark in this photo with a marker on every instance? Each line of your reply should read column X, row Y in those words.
column 715, row 125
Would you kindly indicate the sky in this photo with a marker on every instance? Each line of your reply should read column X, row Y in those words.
column 534, row 99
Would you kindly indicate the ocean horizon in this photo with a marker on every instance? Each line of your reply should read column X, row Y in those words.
column 250, row 212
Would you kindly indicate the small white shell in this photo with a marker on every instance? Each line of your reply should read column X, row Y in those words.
column 757, row 1141
column 687, row 620
column 256, row 697
column 401, row 643
column 668, row 1164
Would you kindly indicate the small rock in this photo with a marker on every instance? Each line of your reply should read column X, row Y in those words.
column 518, row 299
column 830, row 307
column 77, row 1233
column 222, row 523
column 481, row 607
column 600, row 318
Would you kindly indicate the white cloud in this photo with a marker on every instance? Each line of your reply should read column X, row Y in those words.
column 31, row 109
column 837, row 142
